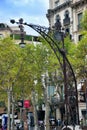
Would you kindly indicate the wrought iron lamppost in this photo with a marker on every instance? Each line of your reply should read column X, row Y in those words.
column 71, row 96
column 20, row 23
column 59, row 35
column 22, row 45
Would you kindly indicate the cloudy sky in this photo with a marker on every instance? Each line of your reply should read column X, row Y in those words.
column 32, row 11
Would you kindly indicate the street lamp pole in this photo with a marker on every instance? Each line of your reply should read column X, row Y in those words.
column 44, row 32
column 59, row 36
column 22, row 45
column 65, row 84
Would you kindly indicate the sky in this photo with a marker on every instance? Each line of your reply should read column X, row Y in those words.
column 32, row 11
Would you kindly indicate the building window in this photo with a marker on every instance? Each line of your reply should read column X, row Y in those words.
column 66, row 14
column 58, row 18
column 67, row 30
column 79, row 20
column 79, row 37
column 2, row 26
column 66, row 20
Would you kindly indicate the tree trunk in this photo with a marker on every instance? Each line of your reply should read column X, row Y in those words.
column 47, row 116
column 35, row 110
column 45, row 89
column 12, row 123
column 9, row 95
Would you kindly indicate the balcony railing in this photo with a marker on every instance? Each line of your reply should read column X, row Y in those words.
column 66, row 21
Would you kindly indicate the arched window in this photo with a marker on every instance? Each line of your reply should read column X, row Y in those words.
column 58, row 18
column 2, row 25
column 66, row 20
column 66, row 14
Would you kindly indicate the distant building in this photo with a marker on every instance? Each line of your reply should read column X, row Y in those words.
column 5, row 30
column 14, row 32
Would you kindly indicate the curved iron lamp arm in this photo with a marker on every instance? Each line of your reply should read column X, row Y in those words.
column 43, row 31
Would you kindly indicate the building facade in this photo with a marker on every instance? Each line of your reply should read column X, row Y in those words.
column 5, row 30
column 70, row 14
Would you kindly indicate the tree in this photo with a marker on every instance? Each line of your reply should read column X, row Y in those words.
column 8, row 69
column 20, row 67
column 81, row 51
column 81, row 54
column 8, row 63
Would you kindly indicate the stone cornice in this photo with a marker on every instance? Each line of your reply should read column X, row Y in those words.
column 62, row 6
column 58, row 8
column 78, row 3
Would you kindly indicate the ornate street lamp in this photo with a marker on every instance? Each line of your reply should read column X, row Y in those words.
column 59, row 35
column 22, row 44
column 65, row 66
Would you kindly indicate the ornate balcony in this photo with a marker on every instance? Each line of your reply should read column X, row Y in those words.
column 66, row 21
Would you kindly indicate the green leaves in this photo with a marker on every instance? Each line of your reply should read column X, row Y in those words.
column 81, row 53
column 84, row 21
